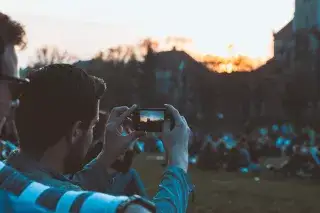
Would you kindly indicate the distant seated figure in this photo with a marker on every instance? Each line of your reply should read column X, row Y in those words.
column 314, row 151
column 208, row 159
column 126, row 180
column 232, row 160
column 159, row 146
column 245, row 159
column 222, row 152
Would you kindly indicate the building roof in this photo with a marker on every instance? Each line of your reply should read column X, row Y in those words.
column 285, row 32
column 172, row 59
column 83, row 64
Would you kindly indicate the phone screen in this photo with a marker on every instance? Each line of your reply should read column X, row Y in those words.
column 150, row 120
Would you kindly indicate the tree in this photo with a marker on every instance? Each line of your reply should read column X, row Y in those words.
column 128, row 72
column 50, row 55
column 147, row 78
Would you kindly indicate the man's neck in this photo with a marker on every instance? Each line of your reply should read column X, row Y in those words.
column 53, row 159
column 45, row 162
column 52, row 163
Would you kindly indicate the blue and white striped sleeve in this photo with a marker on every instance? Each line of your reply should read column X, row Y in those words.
column 174, row 190
column 25, row 195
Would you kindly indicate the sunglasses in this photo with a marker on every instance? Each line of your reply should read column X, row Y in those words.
column 15, row 84
column 12, row 79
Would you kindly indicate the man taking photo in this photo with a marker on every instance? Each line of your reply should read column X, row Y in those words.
column 57, row 113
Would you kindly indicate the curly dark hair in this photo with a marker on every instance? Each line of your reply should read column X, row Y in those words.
column 57, row 96
column 11, row 32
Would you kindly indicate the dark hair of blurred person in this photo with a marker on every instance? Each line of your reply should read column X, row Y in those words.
column 58, row 111
column 12, row 34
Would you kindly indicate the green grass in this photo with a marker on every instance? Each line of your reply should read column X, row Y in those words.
column 224, row 192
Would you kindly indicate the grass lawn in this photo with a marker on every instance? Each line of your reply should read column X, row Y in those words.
column 223, row 192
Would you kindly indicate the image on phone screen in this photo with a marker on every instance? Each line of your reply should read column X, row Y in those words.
column 152, row 120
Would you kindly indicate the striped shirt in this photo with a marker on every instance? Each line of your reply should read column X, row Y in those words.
column 20, row 194
column 30, row 196
column 25, row 194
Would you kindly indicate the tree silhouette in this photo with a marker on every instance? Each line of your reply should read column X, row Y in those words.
column 147, row 78
column 147, row 46
column 50, row 55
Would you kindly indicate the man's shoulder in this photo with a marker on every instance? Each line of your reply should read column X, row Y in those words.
column 35, row 172
column 65, row 185
column 48, row 180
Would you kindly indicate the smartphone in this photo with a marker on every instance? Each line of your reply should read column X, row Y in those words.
column 151, row 119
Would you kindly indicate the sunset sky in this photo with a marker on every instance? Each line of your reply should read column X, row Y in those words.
column 84, row 27
column 151, row 115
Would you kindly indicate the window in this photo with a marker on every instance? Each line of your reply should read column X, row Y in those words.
column 307, row 21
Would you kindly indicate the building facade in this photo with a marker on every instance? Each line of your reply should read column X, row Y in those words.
column 295, row 42
column 307, row 14
column 284, row 43
column 306, row 17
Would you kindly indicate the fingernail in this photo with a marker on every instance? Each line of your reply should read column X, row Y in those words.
column 134, row 105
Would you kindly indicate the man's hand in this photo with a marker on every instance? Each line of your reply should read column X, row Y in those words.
column 115, row 143
column 176, row 141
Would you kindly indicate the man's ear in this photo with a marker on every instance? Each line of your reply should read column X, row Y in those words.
column 76, row 133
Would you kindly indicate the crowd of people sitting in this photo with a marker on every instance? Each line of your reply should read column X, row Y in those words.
column 299, row 149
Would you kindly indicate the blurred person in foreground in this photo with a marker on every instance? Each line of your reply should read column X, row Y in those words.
column 12, row 35
column 46, row 157
column 9, row 135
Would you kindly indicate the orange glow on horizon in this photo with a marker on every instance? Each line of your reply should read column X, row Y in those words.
column 235, row 62
column 239, row 63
